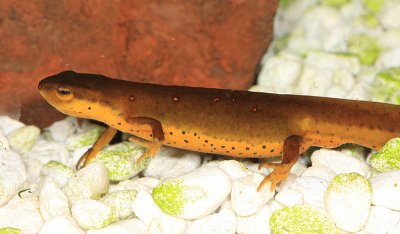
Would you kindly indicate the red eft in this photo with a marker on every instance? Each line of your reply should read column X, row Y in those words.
column 226, row 122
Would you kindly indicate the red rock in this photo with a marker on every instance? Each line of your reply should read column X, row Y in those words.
column 197, row 43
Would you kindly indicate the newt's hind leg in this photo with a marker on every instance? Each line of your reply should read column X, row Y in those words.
column 100, row 143
column 157, row 133
column 291, row 148
column 152, row 147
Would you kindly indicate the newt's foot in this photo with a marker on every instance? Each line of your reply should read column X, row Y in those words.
column 151, row 151
column 280, row 173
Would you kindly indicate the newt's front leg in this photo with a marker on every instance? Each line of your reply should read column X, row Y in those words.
column 91, row 153
column 291, row 148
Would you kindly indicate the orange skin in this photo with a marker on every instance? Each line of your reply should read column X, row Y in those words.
column 227, row 122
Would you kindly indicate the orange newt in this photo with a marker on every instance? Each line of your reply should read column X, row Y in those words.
column 226, row 122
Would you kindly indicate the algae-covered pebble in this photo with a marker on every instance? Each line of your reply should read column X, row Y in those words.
column 373, row 5
column 152, row 216
column 348, row 200
column 335, row 3
column 365, row 47
column 386, row 85
column 301, row 219
column 10, row 230
column 90, row 182
column 23, row 139
column 87, row 138
column 92, row 214
column 121, row 160
column 58, row 171
column 195, row 194
column 387, row 158
column 121, row 202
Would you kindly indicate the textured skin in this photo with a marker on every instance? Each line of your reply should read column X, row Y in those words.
column 235, row 123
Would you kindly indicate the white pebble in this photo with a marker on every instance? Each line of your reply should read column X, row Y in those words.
column 33, row 168
column 170, row 161
column 4, row 144
column 8, row 124
column 245, row 198
column 144, row 183
column 389, row 17
column 22, row 212
column 257, row 223
column 289, row 197
column 23, row 139
column 389, row 58
column 92, row 214
column 194, row 194
column 61, row 130
column 348, row 200
column 339, row 162
column 319, row 171
column 90, row 182
column 61, row 225
column 151, row 215
column 386, row 189
column 46, row 151
column 12, row 175
column 128, row 226
column 52, row 201
column 121, row 202
column 234, row 169
column 223, row 222
column 382, row 220
column 313, row 190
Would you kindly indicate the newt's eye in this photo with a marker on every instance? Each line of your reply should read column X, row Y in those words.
column 64, row 94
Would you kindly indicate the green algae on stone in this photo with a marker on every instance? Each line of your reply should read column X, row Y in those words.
column 85, row 139
column 365, row 47
column 373, row 6
column 353, row 180
column 10, row 230
column 387, row 85
column 335, row 3
column 121, row 201
column 121, row 160
column 24, row 138
column 59, row 167
column 387, row 158
column 301, row 219
column 170, row 197
column 58, row 171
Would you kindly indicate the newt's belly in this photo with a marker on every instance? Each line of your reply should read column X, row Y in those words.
column 239, row 147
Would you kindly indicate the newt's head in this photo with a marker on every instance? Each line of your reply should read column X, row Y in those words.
column 77, row 94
